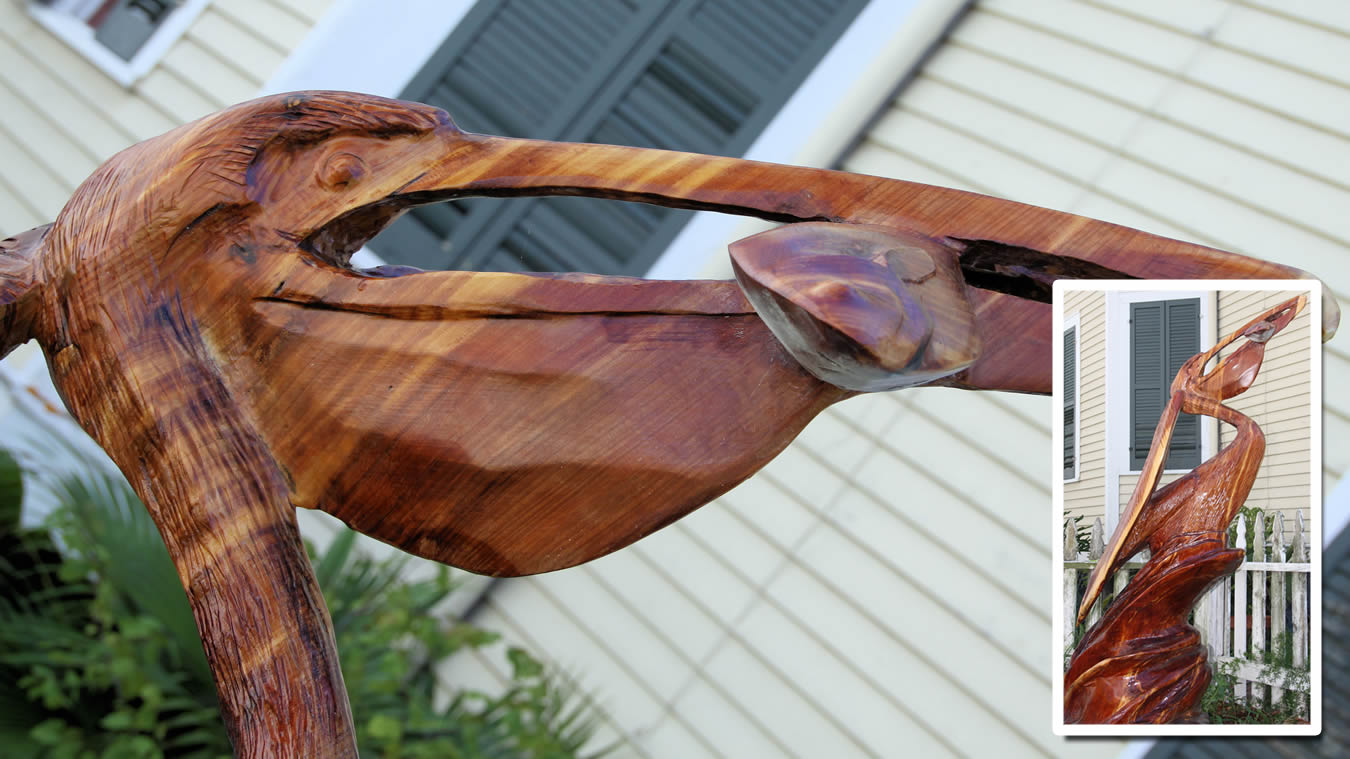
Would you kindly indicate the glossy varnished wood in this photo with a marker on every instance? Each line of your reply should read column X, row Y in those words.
column 1142, row 661
column 200, row 318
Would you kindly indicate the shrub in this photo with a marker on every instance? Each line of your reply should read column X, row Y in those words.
column 99, row 654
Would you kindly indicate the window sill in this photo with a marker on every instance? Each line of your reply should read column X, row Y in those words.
column 80, row 37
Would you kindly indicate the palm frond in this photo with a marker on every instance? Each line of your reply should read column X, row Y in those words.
column 110, row 527
column 11, row 492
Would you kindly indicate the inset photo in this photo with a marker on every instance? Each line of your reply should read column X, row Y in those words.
column 1187, row 514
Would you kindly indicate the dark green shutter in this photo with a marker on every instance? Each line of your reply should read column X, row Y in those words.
column 696, row 75
column 1163, row 335
column 1183, row 342
column 1070, row 402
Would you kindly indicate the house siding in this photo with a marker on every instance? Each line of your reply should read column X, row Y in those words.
column 62, row 116
column 1279, row 402
column 1085, row 496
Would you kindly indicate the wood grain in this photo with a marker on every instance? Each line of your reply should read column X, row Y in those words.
column 1142, row 661
column 201, row 319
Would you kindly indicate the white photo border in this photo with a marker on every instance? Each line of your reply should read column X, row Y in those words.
column 1315, row 294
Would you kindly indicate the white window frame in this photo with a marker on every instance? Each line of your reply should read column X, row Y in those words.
column 73, row 31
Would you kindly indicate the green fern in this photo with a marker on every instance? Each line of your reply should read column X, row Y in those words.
column 99, row 654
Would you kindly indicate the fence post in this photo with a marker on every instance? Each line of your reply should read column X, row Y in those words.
column 1277, row 599
column 1209, row 617
column 1097, row 547
column 1227, row 615
column 1240, row 607
column 1300, row 590
column 1299, row 582
column 1258, row 600
column 1070, row 582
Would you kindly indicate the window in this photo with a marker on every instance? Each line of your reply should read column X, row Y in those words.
column 125, row 38
column 1070, row 393
column 1163, row 335
column 123, row 26
column 680, row 74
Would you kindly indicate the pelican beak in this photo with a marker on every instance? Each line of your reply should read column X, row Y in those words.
column 1007, row 254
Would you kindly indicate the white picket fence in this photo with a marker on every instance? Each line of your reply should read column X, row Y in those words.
column 1243, row 618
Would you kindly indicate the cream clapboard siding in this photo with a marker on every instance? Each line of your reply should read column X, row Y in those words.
column 1279, row 402
column 880, row 589
column 61, row 116
column 1083, row 497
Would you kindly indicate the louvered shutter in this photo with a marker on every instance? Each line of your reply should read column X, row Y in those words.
column 696, row 75
column 1182, row 321
column 1163, row 334
column 1070, row 402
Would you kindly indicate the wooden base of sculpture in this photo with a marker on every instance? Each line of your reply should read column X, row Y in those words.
column 1142, row 662
column 197, row 307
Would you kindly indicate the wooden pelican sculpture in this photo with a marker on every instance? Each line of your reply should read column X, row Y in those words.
column 1142, row 661
column 200, row 317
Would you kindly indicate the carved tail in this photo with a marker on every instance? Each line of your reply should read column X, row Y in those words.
column 19, row 286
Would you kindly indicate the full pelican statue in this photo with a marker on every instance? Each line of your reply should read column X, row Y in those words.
column 1142, row 662
column 201, row 319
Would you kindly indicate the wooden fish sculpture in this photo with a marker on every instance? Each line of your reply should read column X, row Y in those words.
column 1142, row 661
column 202, row 321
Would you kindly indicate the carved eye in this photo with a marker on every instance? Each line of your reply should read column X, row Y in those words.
column 341, row 170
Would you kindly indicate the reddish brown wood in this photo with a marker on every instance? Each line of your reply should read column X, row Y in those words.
column 200, row 318
column 1142, row 662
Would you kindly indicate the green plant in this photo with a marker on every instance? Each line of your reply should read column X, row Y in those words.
column 1276, row 666
column 391, row 642
column 99, row 655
